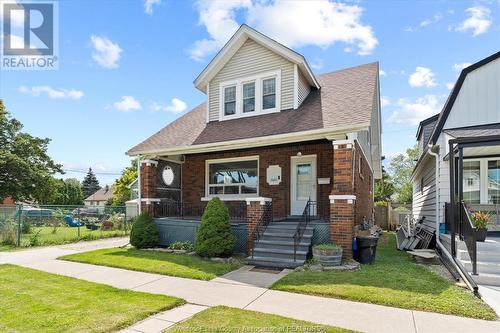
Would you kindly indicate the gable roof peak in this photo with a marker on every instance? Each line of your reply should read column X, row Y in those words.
column 236, row 41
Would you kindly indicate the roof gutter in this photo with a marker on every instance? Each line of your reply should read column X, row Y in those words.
column 338, row 133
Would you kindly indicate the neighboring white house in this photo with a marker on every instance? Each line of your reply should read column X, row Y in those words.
column 469, row 128
column 100, row 197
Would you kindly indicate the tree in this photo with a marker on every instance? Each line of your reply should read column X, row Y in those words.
column 63, row 192
column 401, row 168
column 25, row 167
column 90, row 184
column 121, row 186
column 384, row 188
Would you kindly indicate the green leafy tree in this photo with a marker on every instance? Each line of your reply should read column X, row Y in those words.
column 121, row 186
column 401, row 168
column 64, row 192
column 90, row 184
column 384, row 188
column 25, row 167
column 214, row 237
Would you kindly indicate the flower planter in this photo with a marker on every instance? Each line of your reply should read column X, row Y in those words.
column 328, row 257
column 481, row 234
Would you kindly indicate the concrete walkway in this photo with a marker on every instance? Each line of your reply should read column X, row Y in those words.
column 352, row 315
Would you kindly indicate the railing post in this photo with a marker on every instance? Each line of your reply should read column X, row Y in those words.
column 453, row 204
column 19, row 223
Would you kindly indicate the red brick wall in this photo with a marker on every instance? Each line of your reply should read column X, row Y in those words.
column 348, row 180
column 193, row 173
column 363, row 189
column 148, row 186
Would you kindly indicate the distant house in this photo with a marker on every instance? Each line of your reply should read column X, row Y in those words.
column 100, row 197
column 8, row 201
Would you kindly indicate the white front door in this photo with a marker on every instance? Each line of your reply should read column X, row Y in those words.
column 303, row 180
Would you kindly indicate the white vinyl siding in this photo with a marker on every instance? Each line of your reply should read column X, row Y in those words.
column 252, row 59
column 478, row 101
column 424, row 198
column 303, row 88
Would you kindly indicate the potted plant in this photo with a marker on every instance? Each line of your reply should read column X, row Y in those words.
column 480, row 221
column 328, row 254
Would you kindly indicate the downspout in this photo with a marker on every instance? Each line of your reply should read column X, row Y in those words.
column 442, row 248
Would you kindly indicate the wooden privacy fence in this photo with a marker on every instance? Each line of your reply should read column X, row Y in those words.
column 390, row 216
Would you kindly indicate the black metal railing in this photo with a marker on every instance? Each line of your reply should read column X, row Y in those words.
column 194, row 211
column 468, row 234
column 307, row 214
column 263, row 222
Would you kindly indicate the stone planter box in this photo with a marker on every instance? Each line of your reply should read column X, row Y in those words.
column 328, row 257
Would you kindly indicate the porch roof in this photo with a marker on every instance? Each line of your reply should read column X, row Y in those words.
column 346, row 101
column 474, row 131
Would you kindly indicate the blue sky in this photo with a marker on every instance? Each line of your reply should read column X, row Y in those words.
column 127, row 66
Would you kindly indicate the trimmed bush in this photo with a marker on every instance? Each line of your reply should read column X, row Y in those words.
column 144, row 233
column 214, row 237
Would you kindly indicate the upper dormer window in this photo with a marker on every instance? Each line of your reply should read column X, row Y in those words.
column 269, row 93
column 248, row 96
column 230, row 100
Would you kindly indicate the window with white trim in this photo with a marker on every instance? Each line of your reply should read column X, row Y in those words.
column 269, row 93
column 233, row 177
column 229, row 100
column 481, row 180
column 250, row 96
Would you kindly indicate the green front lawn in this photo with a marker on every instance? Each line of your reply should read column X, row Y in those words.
column 35, row 301
column 224, row 319
column 62, row 235
column 394, row 280
column 180, row 265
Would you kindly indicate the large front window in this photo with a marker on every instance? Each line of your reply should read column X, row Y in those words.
column 233, row 177
column 481, row 181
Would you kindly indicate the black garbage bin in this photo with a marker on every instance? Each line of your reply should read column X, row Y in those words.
column 367, row 247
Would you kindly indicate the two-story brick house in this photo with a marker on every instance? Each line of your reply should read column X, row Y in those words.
column 271, row 131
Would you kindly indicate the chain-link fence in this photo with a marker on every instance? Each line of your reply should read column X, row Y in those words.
column 25, row 225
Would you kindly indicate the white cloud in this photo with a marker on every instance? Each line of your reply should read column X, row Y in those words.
column 53, row 93
column 384, row 101
column 450, row 85
column 317, row 63
column 127, row 103
column 148, row 6
column 434, row 19
column 320, row 23
column 413, row 112
column 106, row 52
column 176, row 106
column 479, row 21
column 459, row 67
column 422, row 77
column 16, row 15
column 382, row 73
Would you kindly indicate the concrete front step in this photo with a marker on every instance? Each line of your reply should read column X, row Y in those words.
column 285, row 245
column 485, row 256
column 275, row 262
column 481, row 246
column 279, row 253
column 483, row 267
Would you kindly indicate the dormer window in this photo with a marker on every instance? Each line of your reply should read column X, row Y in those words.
column 230, row 100
column 249, row 96
column 269, row 94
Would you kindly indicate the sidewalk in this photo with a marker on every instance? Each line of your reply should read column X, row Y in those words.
column 352, row 315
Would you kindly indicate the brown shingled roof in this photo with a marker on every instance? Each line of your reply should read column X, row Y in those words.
column 103, row 194
column 346, row 98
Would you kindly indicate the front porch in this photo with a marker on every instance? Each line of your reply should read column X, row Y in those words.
column 305, row 190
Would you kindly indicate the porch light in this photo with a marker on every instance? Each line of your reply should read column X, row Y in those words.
column 299, row 154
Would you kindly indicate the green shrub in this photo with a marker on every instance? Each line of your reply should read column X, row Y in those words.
column 214, row 237
column 181, row 246
column 327, row 246
column 8, row 232
column 144, row 232
column 26, row 227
